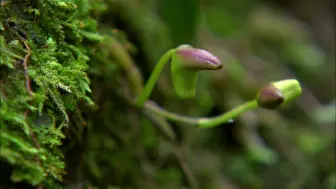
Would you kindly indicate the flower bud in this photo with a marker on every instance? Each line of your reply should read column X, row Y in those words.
column 278, row 93
column 270, row 97
column 197, row 58
column 186, row 63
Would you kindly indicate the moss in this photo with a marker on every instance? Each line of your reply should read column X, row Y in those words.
column 74, row 127
column 53, row 32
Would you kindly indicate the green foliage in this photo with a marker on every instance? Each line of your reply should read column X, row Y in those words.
column 86, row 133
column 181, row 18
column 54, row 32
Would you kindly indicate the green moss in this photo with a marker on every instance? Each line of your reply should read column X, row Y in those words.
column 79, row 46
column 55, row 32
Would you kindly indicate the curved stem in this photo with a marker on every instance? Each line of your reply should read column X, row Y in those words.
column 203, row 122
column 143, row 97
column 225, row 117
column 151, row 106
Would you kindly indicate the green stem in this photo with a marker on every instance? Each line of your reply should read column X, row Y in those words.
column 151, row 106
column 203, row 122
column 143, row 97
column 225, row 117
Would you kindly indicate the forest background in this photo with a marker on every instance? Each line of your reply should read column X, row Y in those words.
column 73, row 125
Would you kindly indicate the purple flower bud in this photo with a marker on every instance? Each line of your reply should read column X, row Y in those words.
column 270, row 97
column 278, row 93
column 198, row 59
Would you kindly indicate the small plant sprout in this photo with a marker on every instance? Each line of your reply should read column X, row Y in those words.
column 186, row 62
column 185, row 66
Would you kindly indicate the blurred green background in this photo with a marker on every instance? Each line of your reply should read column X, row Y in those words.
column 117, row 146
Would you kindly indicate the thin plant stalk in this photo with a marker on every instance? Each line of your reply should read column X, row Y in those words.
column 143, row 97
column 203, row 122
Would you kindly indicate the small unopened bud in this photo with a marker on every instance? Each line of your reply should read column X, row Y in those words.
column 186, row 63
column 278, row 93
column 197, row 58
column 270, row 97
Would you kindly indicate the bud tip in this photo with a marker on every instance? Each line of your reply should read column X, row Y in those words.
column 198, row 58
column 278, row 93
